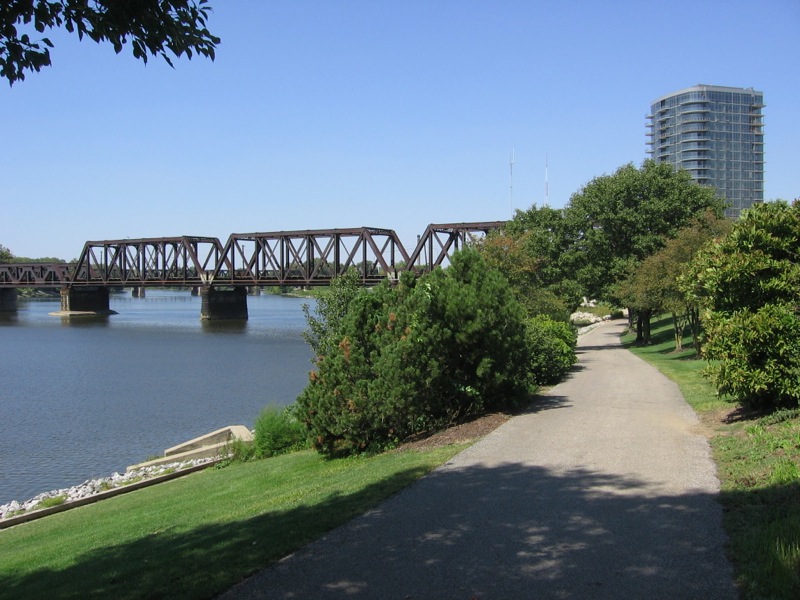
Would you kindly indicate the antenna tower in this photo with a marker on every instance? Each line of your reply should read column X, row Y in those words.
column 546, row 183
column 511, row 180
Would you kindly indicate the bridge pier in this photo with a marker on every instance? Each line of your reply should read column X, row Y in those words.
column 223, row 304
column 85, row 300
column 137, row 292
column 8, row 299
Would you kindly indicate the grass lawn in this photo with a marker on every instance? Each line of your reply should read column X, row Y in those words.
column 757, row 457
column 196, row 536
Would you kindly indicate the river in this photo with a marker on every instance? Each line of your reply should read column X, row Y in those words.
column 83, row 397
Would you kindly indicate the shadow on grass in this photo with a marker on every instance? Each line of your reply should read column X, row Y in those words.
column 510, row 531
column 662, row 340
column 199, row 563
column 743, row 414
column 764, row 529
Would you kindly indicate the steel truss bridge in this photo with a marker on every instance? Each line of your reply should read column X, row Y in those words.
column 286, row 258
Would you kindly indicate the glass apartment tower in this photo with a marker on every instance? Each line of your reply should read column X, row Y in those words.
column 716, row 134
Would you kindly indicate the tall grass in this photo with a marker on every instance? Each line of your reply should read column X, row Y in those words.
column 757, row 459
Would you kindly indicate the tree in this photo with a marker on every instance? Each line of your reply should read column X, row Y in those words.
column 325, row 322
column 748, row 288
column 654, row 283
column 677, row 255
column 154, row 27
column 642, row 292
column 625, row 217
column 5, row 254
column 528, row 251
column 616, row 221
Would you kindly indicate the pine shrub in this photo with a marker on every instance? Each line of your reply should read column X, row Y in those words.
column 401, row 360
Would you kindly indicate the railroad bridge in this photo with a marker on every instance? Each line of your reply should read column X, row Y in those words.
column 223, row 274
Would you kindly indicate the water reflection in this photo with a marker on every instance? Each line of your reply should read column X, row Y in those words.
column 9, row 318
column 83, row 320
column 224, row 325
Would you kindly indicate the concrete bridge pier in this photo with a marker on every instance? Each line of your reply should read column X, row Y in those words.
column 137, row 292
column 85, row 300
column 8, row 299
column 223, row 304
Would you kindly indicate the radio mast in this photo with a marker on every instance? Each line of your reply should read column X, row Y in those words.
column 511, row 180
column 546, row 183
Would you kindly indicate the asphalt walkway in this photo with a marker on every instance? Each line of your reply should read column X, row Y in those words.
column 604, row 489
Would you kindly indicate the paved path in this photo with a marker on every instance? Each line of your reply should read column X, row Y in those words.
column 604, row 490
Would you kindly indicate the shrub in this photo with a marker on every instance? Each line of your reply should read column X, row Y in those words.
column 748, row 287
column 277, row 431
column 401, row 360
column 238, row 451
column 756, row 356
column 551, row 347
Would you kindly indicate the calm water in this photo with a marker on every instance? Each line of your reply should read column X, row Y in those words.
column 82, row 398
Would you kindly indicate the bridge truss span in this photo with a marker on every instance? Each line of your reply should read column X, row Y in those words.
column 310, row 257
column 439, row 241
column 35, row 274
column 151, row 262
column 283, row 258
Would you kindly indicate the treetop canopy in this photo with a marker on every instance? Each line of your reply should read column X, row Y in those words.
column 153, row 27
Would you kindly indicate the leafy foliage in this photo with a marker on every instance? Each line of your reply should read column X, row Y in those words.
column 331, row 308
column 5, row 255
column 277, row 431
column 154, row 27
column 551, row 347
column 529, row 252
column 653, row 285
column 619, row 220
column 555, row 257
column 748, row 287
column 431, row 351
column 757, row 355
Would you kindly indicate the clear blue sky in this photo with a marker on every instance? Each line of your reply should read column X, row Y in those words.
column 387, row 114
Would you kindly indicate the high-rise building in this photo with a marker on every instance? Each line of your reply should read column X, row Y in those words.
column 716, row 134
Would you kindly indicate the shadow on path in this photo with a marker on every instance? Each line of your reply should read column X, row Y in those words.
column 513, row 531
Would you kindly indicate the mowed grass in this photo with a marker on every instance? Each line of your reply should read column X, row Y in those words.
column 196, row 536
column 758, row 459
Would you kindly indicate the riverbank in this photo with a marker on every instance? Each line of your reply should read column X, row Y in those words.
column 93, row 490
column 196, row 536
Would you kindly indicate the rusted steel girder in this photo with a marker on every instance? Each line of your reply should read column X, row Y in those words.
column 440, row 241
column 151, row 262
column 36, row 274
column 310, row 257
